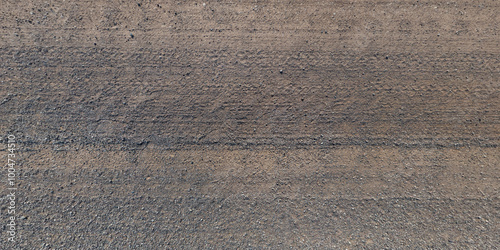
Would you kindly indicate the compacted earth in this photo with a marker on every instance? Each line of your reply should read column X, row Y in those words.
column 259, row 124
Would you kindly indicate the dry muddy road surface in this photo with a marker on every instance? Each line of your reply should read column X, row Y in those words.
column 260, row 124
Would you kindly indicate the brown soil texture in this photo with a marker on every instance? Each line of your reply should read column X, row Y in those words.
column 252, row 124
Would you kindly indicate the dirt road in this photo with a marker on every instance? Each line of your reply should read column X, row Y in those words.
column 251, row 124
